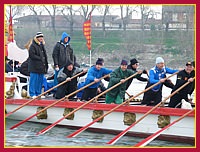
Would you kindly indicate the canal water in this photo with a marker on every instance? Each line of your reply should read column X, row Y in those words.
column 25, row 136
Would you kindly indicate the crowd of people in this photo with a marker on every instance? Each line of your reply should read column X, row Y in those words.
column 66, row 66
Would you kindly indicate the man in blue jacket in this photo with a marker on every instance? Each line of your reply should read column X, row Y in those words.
column 156, row 74
column 94, row 74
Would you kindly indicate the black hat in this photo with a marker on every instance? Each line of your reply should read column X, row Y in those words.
column 189, row 63
column 124, row 62
column 193, row 63
column 39, row 34
column 133, row 61
column 68, row 63
column 99, row 61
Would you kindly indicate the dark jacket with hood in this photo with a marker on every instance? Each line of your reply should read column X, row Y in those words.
column 37, row 58
column 62, row 52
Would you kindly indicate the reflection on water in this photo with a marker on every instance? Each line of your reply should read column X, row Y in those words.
column 24, row 136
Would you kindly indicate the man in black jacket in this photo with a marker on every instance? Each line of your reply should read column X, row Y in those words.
column 66, row 73
column 182, row 77
column 37, row 65
column 133, row 66
column 63, row 53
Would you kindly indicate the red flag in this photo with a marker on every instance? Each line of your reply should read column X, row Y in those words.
column 87, row 32
column 10, row 29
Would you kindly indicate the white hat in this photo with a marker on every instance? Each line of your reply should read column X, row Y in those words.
column 159, row 60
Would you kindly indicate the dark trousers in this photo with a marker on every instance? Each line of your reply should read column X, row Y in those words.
column 65, row 89
column 152, row 98
column 89, row 93
column 175, row 100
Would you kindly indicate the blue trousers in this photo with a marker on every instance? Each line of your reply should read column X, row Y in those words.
column 55, row 78
column 36, row 82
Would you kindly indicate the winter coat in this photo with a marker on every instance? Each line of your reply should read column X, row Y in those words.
column 94, row 73
column 24, row 68
column 182, row 78
column 115, row 78
column 37, row 58
column 156, row 74
column 63, row 52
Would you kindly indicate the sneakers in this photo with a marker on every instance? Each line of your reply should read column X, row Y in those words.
column 43, row 97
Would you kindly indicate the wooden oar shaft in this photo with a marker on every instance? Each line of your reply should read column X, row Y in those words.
column 125, row 102
column 54, row 124
column 116, row 138
column 156, row 134
column 42, row 94
column 85, row 86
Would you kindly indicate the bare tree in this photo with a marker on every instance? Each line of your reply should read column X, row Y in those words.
column 68, row 13
column 52, row 12
column 16, row 11
column 37, row 10
column 87, row 10
column 104, row 10
column 128, row 14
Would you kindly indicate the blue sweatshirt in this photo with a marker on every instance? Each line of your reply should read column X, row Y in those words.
column 156, row 74
column 95, row 73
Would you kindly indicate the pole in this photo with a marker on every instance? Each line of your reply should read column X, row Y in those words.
column 90, row 58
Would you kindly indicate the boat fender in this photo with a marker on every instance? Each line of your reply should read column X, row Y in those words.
column 163, row 121
column 43, row 114
column 96, row 114
column 68, row 110
column 10, row 93
column 129, row 118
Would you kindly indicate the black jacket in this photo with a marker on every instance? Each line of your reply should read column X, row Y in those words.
column 37, row 58
column 24, row 68
column 182, row 78
column 62, row 54
column 138, row 78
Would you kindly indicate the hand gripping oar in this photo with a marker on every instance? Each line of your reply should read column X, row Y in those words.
column 95, row 98
column 125, row 102
column 116, row 138
column 66, row 97
column 156, row 134
column 8, row 114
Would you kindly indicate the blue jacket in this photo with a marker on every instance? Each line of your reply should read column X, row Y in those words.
column 94, row 73
column 156, row 74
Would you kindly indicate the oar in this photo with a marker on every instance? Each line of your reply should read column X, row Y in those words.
column 86, row 103
column 8, row 114
column 147, row 140
column 125, row 102
column 116, row 138
column 23, row 121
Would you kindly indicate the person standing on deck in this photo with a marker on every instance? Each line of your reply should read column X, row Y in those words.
column 133, row 66
column 95, row 72
column 66, row 73
column 156, row 74
column 182, row 77
column 37, row 65
column 62, row 53
column 117, row 94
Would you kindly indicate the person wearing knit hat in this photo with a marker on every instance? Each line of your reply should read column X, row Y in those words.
column 39, row 34
column 156, row 74
column 62, row 53
column 159, row 60
column 65, row 73
column 37, row 65
column 94, row 74
column 117, row 95
column 133, row 66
